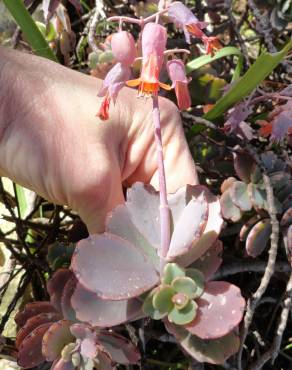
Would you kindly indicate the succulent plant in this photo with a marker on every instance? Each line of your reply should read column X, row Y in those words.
column 120, row 279
column 249, row 195
column 49, row 331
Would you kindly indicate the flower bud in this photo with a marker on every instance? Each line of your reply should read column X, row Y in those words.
column 123, row 47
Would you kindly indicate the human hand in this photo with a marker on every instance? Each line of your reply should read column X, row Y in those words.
column 52, row 142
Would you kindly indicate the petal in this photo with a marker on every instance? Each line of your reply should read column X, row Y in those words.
column 98, row 312
column 123, row 47
column 103, row 112
column 113, row 268
column 220, row 310
column 176, row 70
column 182, row 93
column 153, row 45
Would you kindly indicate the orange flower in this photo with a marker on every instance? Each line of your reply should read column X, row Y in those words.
column 153, row 46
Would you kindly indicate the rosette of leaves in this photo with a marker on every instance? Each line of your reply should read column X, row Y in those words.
column 119, row 278
column 49, row 331
column 248, row 198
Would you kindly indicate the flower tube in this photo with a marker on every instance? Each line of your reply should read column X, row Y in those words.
column 177, row 74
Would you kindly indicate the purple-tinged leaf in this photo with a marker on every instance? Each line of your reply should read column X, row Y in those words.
column 82, row 331
column 56, row 338
column 143, row 205
column 33, row 309
column 33, row 323
column 209, row 262
column 97, row 312
column 63, row 365
column 238, row 114
column 189, row 227
column 214, row 351
column 258, row 238
column 243, row 165
column 239, row 195
column 113, row 268
column 247, row 227
column 30, row 350
column 287, row 218
column 212, row 229
column 67, row 310
column 282, row 123
column 229, row 210
column 257, row 196
column 220, row 310
column 119, row 223
column 55, row 286
column 226, row 184
column 120, row 349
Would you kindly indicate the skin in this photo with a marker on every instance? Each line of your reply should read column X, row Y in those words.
column 52, row 142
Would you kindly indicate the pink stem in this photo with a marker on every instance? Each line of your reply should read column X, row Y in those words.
column 164, row 208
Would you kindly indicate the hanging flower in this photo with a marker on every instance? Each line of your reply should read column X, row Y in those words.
column 153, row 46
column 112, row 84
column 176, row 72
column 123, row 47
column 184, row 19
column 211, row 43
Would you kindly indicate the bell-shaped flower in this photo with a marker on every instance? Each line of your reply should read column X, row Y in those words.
column 154, row 38
column 211, row 43
column 111, row 86
column 123, row 47
column 177, row 74
column 184, row 19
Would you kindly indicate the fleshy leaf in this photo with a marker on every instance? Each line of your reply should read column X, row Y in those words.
column 143, row 205
column 162, row 299
column 98, row 312
column 247, row 227
column 209, row 262
column 214, row 351
column 189, row 227
column 170, row 272
column 229, row 210
column 113, row 268
column 56, row 338
column 120, row 349
column 256, row 195
column 243, row 165
column 56, row 285
column 30, row 351
column 33, row 309
column 185, row 285
column 149, row 309
column 62, row 365
column 220, row 310
column 185, row 315
column 239, row 195
column 33, row 323
column 258, row 238
column 119, row 223
column 212, row 229
column 198, row 277
column 67, row 310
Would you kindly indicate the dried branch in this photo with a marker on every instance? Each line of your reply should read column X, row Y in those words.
column 97, row 15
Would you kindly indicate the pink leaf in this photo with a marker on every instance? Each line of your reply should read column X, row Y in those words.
column 258, row 238
column 33, row 309
column 120, row 349
column 63, row 365
column 67, row 310
column 220, row 310
column 209, row 262
column 33, row 323
column 214, row 351
column 56, row 338
column 113, row 268
column 30, row 351
column 189, row 227
column 97, row 312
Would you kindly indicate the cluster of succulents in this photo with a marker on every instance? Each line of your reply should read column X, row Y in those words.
column 247, row 198
column 49, row 331
column 120, row 276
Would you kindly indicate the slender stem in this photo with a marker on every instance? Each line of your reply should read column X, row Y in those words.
column 164, row 208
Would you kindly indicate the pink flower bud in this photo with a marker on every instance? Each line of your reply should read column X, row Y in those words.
column 177, row 74
column 111, row 86
column 184, row 19
column 123, row 47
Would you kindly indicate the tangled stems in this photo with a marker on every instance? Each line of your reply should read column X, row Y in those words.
column 164, row 208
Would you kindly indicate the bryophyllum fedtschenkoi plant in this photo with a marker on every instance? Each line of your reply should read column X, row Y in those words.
column 156, row 257
column 49, row 331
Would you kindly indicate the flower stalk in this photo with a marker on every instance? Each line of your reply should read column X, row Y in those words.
column 164, row 208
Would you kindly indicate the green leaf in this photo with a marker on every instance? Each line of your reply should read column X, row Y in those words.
column 30, row 30
column 185, row 285
column 198, row 277
column 162, row 299
column 21, row 200
column 183, row 316
column 262, row 67
column 206, row 59
column 149, row 309
column 172, row 271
